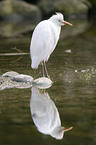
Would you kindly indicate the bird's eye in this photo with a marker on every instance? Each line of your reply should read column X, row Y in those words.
column 59, row 20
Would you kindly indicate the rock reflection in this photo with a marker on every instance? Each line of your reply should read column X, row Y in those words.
column 45, row 114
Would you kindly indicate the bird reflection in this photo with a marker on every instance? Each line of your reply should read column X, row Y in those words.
column 45, row 114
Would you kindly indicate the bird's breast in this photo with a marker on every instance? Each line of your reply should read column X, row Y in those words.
column 55, row 33
column 54, row 37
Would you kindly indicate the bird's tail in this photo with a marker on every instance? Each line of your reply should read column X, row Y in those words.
column 34, row 65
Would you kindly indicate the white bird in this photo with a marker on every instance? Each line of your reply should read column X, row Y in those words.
column 44, row 40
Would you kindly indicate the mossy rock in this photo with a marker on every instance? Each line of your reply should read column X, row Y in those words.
column 65, row 6
column 11, row 8
column 18, row 17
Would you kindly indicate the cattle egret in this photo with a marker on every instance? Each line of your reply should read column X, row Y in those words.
column 44, row 40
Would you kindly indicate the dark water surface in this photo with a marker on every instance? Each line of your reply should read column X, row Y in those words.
column 72, row 67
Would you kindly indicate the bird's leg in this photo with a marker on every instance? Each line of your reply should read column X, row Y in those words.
column 46, row 70
column 42, row 68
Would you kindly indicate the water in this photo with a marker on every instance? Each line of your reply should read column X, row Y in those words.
column 73, row 92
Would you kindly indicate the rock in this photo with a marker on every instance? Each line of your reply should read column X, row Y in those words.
column 16, row 10
column 18, row 77
column 10, row 74
column 71, row 7
column 22, row 78
column 66, row 7
column 20, row 17
column 15, row 80
column 42, row 83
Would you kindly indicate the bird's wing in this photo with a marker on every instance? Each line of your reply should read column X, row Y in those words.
column 42, row 43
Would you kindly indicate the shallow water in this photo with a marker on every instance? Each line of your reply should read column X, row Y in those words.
column 73, row 92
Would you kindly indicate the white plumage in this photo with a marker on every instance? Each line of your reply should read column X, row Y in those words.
column 45, row 38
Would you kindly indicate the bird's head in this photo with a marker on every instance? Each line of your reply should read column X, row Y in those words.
column 58, row 19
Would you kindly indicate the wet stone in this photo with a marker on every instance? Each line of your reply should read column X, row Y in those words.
column 13, row 79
